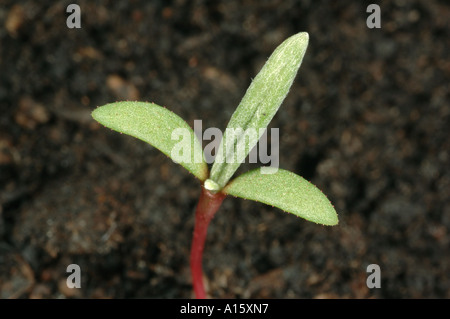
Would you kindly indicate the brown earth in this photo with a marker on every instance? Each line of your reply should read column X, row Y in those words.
column 367, row 121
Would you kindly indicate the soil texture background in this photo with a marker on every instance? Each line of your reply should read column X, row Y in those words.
column 367, row 121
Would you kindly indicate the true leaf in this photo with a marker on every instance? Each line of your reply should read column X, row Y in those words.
column 287, row 191
column 155, row 125
column 257, row 108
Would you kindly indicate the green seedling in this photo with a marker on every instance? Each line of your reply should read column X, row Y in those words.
column 157, row 126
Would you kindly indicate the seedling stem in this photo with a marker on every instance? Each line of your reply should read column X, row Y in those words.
column 207, row 206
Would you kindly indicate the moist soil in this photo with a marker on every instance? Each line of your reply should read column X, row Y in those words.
column 367, row 121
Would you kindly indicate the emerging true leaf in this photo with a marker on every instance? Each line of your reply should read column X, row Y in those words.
column 286, row 191
column 159, row 127
column 258, row 106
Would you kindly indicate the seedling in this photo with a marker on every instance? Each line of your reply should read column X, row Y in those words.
column 161, row 128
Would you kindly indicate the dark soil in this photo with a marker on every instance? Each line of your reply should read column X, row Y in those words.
column 367, row 120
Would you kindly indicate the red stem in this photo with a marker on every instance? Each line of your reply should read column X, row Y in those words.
column 207, row 206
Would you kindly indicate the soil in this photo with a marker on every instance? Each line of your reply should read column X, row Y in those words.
column 367, row 121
